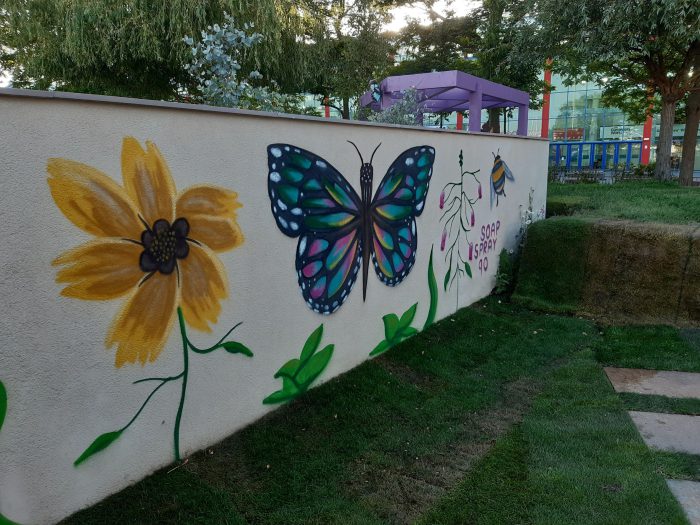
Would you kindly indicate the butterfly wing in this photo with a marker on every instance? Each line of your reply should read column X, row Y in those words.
column 311, row 200
column 399, row 199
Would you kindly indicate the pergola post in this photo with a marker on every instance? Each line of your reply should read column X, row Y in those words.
column 522, row 120
column 475, row 110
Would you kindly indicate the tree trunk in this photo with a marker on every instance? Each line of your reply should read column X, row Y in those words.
column 494, row 120
column 690, row 137
column 346, row 108
column 663, row 147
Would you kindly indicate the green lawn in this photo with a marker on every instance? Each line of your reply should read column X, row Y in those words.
column 652, row 347
column 641, row 201
column 495, row 415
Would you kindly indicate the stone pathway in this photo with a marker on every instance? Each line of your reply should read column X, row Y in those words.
column 657, row 382
column 688, row 495
column 670, row 432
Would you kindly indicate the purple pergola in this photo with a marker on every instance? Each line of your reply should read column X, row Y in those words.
column 447, row 91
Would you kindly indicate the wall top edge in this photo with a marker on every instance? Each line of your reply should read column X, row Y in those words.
column 104, row 99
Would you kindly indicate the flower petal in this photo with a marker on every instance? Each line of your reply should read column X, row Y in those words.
column 211, row 214
column 91, row 200
column 147, row 180
column 218, row 234
column 141, row 328
column 207, row 200
column 100, row 269
column 203, row 286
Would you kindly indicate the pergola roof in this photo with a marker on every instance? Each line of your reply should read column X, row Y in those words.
column 447, row 91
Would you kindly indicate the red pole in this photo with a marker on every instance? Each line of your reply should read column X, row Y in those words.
column 646, row 138
column 326, row 108
column 460, row 120
column 545, row 96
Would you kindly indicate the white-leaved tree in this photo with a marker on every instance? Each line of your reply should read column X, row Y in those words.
column 406, row 111
column 216, row 69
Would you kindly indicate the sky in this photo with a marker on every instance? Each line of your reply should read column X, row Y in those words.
column 399, row 14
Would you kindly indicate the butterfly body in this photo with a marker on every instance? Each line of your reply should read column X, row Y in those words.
column 499, row 173
column 339, row 230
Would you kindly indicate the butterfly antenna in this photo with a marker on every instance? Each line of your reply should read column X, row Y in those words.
column 358, row 151
column 375, row 151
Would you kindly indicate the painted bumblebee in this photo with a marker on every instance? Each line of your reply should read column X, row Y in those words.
column 499, row 173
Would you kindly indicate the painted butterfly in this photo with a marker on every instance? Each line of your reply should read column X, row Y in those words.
column 499, row 173
column 338, row 229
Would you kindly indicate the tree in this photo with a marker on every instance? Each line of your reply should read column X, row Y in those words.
column 444, row 45
column 692, row 121
column 216, row 65
column 347, row 47
column 650, row 43
column 406, row 111
column 490, row 42
column 134, row 48
column 504, row 55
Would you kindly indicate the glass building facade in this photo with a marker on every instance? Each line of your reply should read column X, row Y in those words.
column 583, row 133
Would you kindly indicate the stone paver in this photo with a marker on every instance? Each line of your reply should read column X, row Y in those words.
column 688, row 495
column 672, row 432
column 658, row 382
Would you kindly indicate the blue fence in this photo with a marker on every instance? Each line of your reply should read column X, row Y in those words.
column 595, row 155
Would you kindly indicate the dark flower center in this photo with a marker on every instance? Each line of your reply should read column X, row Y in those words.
column 163, row 244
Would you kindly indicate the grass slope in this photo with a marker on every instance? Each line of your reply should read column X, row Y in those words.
column 641, row 201
column 553, row 264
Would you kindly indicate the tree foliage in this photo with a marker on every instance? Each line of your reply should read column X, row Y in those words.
column 650, row 44
column 216, row 66
column 134, row 48
column 406, row 111
column 348, row 48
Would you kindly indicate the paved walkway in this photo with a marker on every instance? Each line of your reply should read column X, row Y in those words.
column 657, row 382
column 670, row 432
column 688, row 494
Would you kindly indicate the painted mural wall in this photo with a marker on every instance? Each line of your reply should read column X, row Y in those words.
column 171, row 274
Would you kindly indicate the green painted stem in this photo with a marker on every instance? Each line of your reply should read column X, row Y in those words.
column 211, row 348
column 432, row 287
column 185, row 370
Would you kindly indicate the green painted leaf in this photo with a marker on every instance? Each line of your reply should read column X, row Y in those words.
column 432, row 287
column 314, row 366
column 3, row 404
column 98, row 445
column 278, row 397
column 234, row 347
column 312, row 344
column 409, row 332
column 289, row 387
column 468, row 269
column 391, row 325
column 447, row 278
column 407, row 317
column 289, row 368
column 380, row 348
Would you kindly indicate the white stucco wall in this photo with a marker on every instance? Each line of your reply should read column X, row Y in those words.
column 62, row 384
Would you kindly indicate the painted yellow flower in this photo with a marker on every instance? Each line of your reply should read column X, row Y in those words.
column 152, row 246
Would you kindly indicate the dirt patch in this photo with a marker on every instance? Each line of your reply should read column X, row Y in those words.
column 406, row 374
column 620, row 377
column 635, row 271
column 402, row 491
